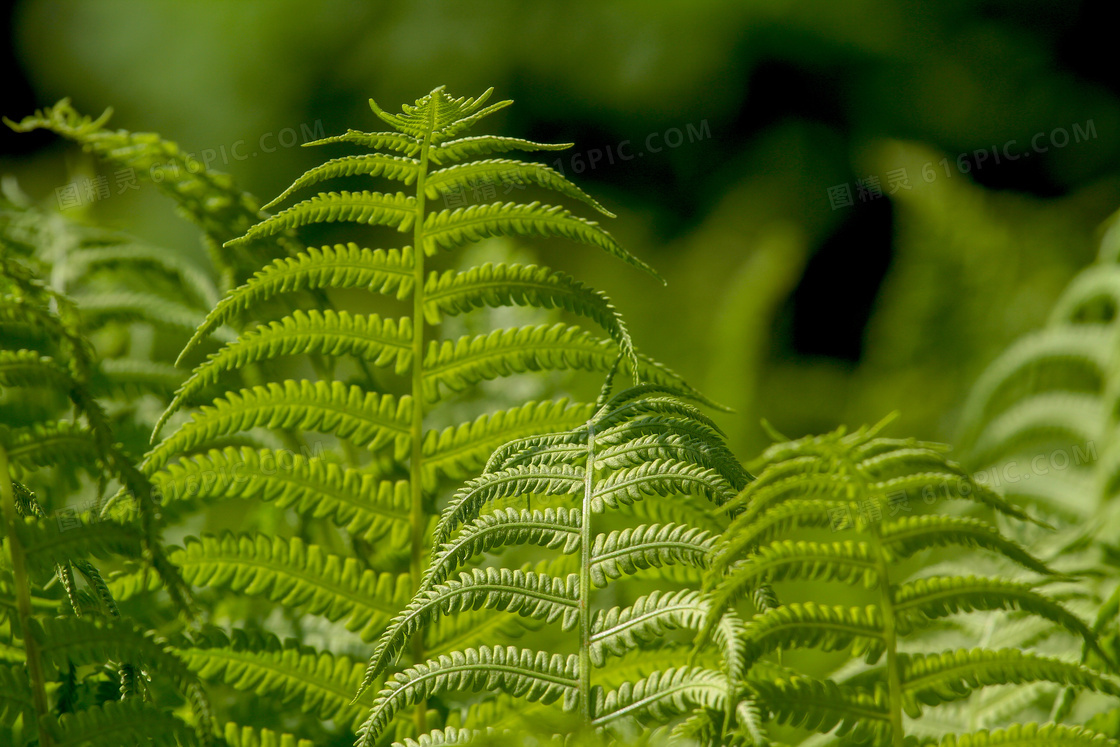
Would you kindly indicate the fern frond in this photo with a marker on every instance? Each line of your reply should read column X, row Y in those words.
column 621, row 629
column 535, row 595
column 451, row 151
column 295, row 574
column 1070, row 358
column 845, row 562
column 551, row 528
column 81, row 641
column 15, row 695
column 907, row 535
column 1030, row 735
column 496, row 170
column 50, row 444
column 368, row 419
column 51, row 543
column 940, row 678
column 627, row 551
column 529, row 675
column 809, row 625
column 382, row 342
column 661, row 477
column 246, row 736
column 493, row 285
column 330, row 267
column 114, row 723
column 81, row 264
column 393, row 141
column 137, row 306
column 457, row 365
column 1052, row 417
column 663, row 695
column 823, row 705
column 467, row 502
column 371, row 208
column 29, row 368
column 208, row 198
column 124, row 377
column 937, row 596
column 450, row 737
column 451, row 228
column 363, row 505
column 315, row 682
column 403, row 170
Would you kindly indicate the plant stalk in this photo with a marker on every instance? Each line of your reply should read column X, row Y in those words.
column 585, row 583
column 11, row 518
column 416, row 516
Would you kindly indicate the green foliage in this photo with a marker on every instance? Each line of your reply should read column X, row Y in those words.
column 361, row 447
column 593, row 467
column 1042, row 419
column 61, row 629
column 866, row 486
column 614, row 574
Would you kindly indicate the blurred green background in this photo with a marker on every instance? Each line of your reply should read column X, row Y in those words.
column 857, row 204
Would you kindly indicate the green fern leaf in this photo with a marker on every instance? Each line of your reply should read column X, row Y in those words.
column 317, row 683
column 393, row 141
column 364, row 506
column 459, row 451
column 295, row 574
column 663, row 695
column 529, row 675
column 451, row 228
column 246, row 736
column 534, row 595
column 940, row 678
column 551, row 528
column 382, row 342
column 367, row 419
column 115, row 723
column 506, row 170
column 370, row 208
column 823, row 705
column 404, row 170
column 627, row 551
column 810, row 625
column 908, row 535
column 1030, row 735
column 936, row 596
column 451, row 151
column 330, row 267
column 467, row 502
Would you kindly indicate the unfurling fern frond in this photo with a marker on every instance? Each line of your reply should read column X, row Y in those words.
column 866, row 487
column 591, row 476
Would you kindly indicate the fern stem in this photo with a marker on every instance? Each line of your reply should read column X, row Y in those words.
column 585, row 583
column 23, row 600
column 886, row 602
column 416, row 515
column 890, row 640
